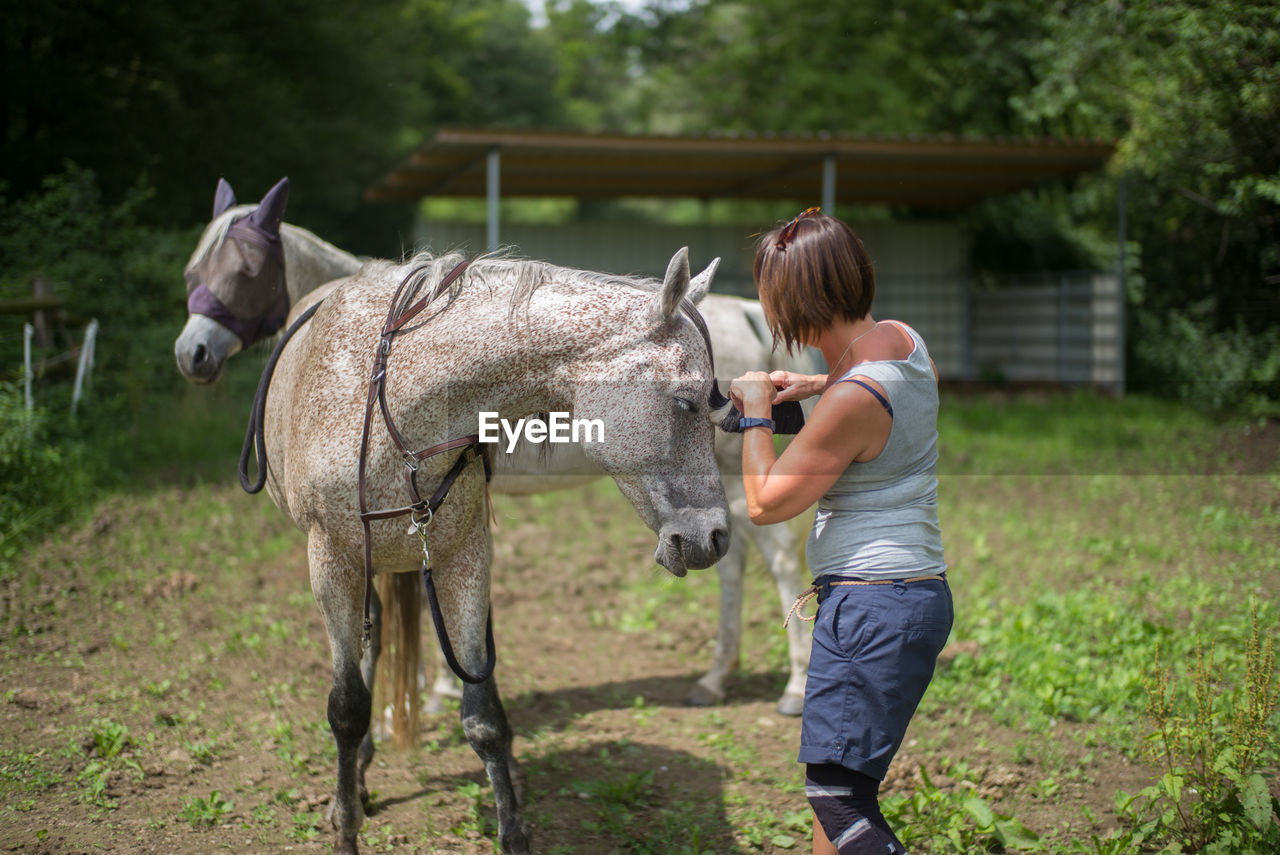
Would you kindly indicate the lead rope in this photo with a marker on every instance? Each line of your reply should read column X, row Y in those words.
column 805, row 596
column 254, row 435
column 437, row 615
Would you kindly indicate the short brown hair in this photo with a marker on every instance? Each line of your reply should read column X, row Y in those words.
column 810, row 271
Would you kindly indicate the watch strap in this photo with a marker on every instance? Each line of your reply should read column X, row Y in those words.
column 754, row 422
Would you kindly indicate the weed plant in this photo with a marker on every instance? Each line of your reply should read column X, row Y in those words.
column 944, row 822
column 1211, row 744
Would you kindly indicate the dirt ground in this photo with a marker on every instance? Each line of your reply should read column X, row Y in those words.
column 165, row 693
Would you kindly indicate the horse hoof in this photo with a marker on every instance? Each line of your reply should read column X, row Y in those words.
column 701, row 696
column 515, row 841
column 791, row 705
column 345, row 846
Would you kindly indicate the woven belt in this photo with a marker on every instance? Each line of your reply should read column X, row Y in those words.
column 809, row 593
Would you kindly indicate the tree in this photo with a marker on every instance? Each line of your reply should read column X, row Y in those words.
column 1192, row 92
column 330, row 92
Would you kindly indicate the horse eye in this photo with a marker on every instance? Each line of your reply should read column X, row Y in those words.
column 686, row 405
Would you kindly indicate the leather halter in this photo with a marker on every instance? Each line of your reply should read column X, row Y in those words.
column 420, row 510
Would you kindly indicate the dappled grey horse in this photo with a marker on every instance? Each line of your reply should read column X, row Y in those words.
column 511, row 337
column 231, row 263
column 741, row 343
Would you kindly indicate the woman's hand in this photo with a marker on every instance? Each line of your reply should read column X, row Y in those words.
column 752, row 394
column 796, row 387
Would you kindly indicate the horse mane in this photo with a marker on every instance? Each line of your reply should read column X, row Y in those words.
column 522, row 276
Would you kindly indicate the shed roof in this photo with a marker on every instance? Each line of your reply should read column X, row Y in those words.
column 919, row 172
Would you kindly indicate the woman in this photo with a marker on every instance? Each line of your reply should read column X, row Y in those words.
column 868, row 457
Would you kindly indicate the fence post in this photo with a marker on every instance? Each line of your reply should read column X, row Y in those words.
column 967, row 369
column 1122, row 202
column 27, row 332
column 85, row 365
column 493, row 196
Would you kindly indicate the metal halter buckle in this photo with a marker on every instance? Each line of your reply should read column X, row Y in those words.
column 420, row 522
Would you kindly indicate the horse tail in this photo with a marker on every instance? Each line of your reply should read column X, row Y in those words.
column 401, row 653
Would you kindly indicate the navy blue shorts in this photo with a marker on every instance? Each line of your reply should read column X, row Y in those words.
column 874, row 649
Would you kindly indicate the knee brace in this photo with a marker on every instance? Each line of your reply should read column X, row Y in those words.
column 847, row 805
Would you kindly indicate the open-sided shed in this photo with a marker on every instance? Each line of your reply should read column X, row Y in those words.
column 1067, row 328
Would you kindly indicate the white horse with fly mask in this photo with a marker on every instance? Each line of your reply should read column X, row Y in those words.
column 234, row 264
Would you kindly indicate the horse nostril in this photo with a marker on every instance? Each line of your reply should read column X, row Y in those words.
column 720, row 541
column 200, row 355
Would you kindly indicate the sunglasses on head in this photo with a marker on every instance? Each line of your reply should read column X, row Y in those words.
column 789, row 230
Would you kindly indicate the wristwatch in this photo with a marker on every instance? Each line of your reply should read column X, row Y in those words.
column 754, row 422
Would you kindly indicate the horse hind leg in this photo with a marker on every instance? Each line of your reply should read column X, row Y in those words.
column 778, row 546
column 710, row 688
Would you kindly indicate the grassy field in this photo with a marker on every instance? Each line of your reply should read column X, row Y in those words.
column 1116, row 567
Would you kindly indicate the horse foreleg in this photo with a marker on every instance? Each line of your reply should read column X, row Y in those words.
column 710, row 687
column 339, row 591
column 464, row 601
column 485, row 723
column 778, row 546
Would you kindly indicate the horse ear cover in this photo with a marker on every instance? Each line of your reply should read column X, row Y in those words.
column 270, row 211
column 788, row 417
column 223, row 198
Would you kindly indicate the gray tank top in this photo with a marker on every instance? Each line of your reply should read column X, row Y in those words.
column 880, row 518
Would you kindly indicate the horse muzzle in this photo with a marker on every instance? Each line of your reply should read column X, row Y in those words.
column 202, row 348
column 691, row 546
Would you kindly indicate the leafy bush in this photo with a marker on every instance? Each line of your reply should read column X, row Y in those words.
column 38, row 481
column 1180, row 355
column 103, row 265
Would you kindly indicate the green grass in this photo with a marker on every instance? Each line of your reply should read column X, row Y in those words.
column 1077, row 433
column 1087, row 539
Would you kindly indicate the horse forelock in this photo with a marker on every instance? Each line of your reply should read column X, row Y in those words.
column 216, row 232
